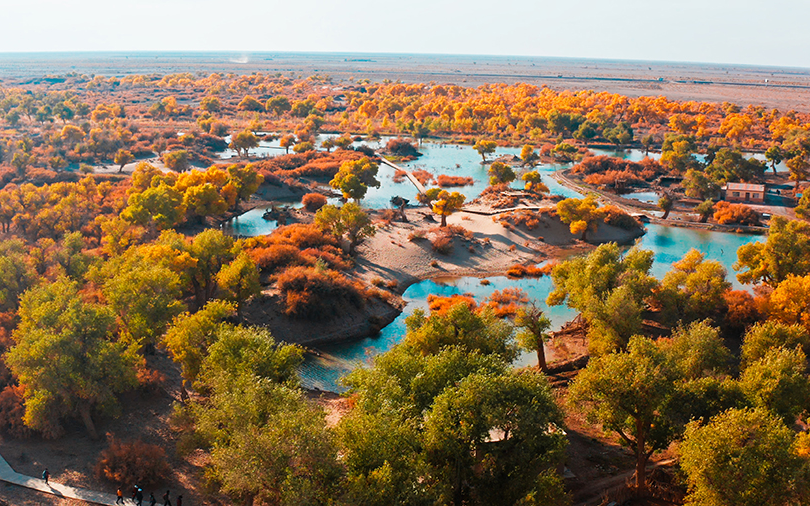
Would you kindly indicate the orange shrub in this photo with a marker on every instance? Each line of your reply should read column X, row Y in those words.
column 422, row 176
column 616, row 217
column 446, row 181
column 506, row 302
column 133, row 462
column 739, row 214
column 277, row 256
column 313, row 201
column 526, row 271
column 302, row 236
column 443, row 244
column 317, row 294
column 439, row 304
column 12, row 411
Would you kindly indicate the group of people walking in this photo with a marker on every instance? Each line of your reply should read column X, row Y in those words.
column 137, row 494
column 137, row 498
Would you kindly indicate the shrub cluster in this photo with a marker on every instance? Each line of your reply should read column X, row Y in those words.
column 133, row 462
column 318, row 294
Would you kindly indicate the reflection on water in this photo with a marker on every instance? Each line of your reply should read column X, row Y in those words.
column 670, row 244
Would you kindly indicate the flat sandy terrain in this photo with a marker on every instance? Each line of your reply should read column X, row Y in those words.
column 779, row 87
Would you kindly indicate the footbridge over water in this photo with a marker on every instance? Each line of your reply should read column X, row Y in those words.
column 419, row 186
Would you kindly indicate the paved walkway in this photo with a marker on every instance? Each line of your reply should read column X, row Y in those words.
column 8, row 474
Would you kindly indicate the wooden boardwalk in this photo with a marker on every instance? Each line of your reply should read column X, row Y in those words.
column 9, row 475
column 419, row 186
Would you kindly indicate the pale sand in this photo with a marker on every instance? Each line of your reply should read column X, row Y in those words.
column 390, row 255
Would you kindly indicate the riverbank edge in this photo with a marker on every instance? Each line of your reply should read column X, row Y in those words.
column 561, row 176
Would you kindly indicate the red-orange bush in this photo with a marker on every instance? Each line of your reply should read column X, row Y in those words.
column 440, row 304
column 133, row 462
column 302, row 236
column 443, row 244
column 527, row 271
column 506, row 302
column 277, row 256
column 739, row 214
column 616, row 217
column 446, row 181
column 422, row 176
column 12, row 411
column 313, row 201
column 317, row 294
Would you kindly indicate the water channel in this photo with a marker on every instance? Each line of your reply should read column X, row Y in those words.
column 669, row 244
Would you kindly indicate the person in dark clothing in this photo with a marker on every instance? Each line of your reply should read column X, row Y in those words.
column 119, row 496
column 166, row 501
column 152, row 500
column 179, row 500
column 139, row 497
column 46, row 475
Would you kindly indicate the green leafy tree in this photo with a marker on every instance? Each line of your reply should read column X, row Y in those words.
column 354, row 177
column 65, row 359
column 177, row 161
column 786, row 252
column 694, row 288
column 620, row 135
column 349, row 221
column 528, row 156
column 123, row 157
column 17, row 273
column 743, row 457
column 696, row 351
column 580, row 214
column 447, row 203
column 802, row 209
column 442, row 419
column 778, row 382
column 145, row 297
column 484, row 148
column 729, row 166
column 210, row 250
column 666, row 203
column 487, row 437
column 705, row 210
column 764, row 336
column 250, row 104
column 243, row 142
column 624, row 392
column 158, row 207
column 236, row 350
column 239, row 281
column 699, row 185
column 278, row 105
column 774, row 155
column 609, row 290
column 533, row 335
column 190, row 335
column 268, row 444
column 500, row 173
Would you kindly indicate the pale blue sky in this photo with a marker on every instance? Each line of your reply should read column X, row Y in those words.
column 768, row 32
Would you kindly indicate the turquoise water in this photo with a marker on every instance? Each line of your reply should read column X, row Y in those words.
column 670, row 244
column 452, row 160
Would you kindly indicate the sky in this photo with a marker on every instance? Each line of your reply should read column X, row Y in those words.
column 758, row 32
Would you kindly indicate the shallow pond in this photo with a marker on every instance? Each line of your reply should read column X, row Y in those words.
column 670, row 244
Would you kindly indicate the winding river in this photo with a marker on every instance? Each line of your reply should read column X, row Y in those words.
column 669, row 244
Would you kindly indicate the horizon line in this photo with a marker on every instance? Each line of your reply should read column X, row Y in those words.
column 374, row 53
